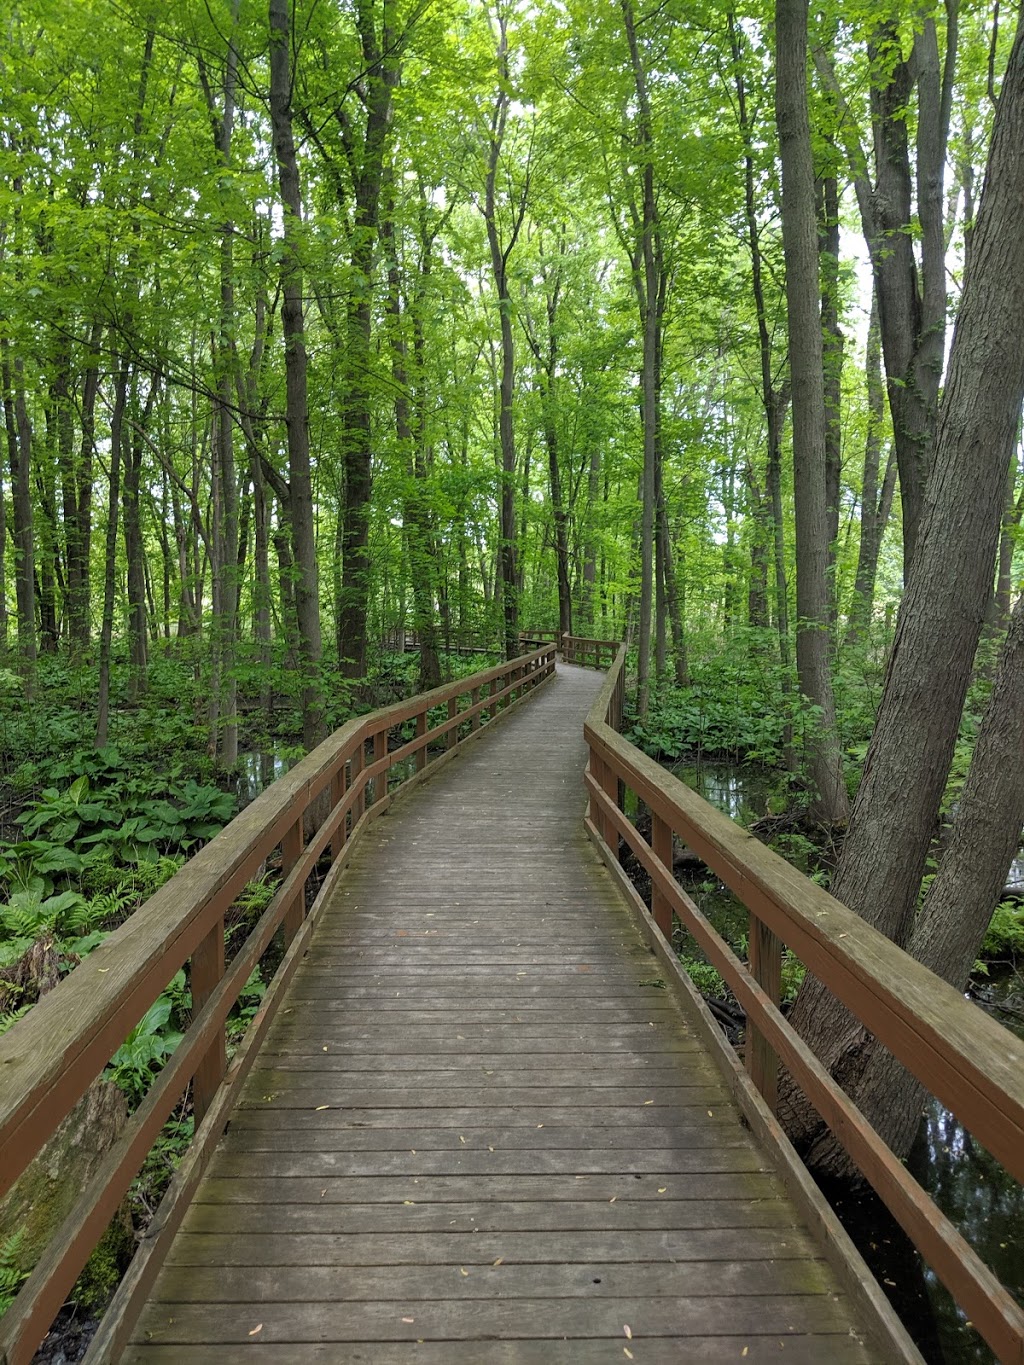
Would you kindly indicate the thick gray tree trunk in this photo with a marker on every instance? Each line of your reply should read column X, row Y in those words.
column 306, row 589
column 800, row 244
column 646, row 270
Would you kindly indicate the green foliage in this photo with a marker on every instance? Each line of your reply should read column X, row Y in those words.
column 139, row 1058
column 12, row 1273
column 248, row 1003
column 1005, row 934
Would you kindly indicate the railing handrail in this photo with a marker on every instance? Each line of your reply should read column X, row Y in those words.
column 970, row 1063
column 50, row 1058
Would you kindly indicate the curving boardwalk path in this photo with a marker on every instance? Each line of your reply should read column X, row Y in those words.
column 477, row 1133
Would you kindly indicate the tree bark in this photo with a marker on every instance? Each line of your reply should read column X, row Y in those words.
column 875, row 503
column 19, row 446
column 110, row 553
column 646, row 273
column 800, row 244
column 306, row 587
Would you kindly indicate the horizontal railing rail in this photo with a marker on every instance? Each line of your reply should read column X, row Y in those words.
column 969, row 1062
column 578, row 649
column 51, row 1057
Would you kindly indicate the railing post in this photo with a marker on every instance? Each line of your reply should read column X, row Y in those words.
column 605, row 779
column 205, row 974
column 566, row 648
column 451, row 738
column 494, row 707
column 380, row 749
column 766, row 969
column 291, row 852
column 661, row 846
column 337, row 796
column 355, row 767
column 474, row 697
column 421, row 730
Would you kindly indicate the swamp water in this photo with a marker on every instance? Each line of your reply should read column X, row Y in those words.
column 973, row 1190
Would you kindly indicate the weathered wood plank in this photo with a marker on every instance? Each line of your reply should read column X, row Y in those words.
column 320, row 1215
column 350, row 1138
column 471, row 1248
column 570, row 1161
column 793, row 1349
column 323, row 1284
column 476, row 1320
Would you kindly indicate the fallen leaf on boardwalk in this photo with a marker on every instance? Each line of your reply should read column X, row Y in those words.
column 613, row 1199
column 745, row 1351
column 257, row 1328
column 628, row 1331
column 498, row 1261
column 463, row 1271
column 320, row 1107
column 462, row 1139
column 408, row 1201
column 662, row 1189
column 627, row 1353
column 322, row 1193
column 646, row 1102
column 408, row 1319
column 490, row 1149
column 540, row 1125
column 325, row 1047
column 711, row 1113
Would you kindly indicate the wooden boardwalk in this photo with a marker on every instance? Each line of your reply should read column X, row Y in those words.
column 478, row 1131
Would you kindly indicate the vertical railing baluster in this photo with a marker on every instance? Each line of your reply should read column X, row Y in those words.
column 356, row 764
column 661, row 847
column 206, row 971
column 380, row 751
column 474, row 698
column 451, row 738
column 766, row 969
column 338, row 784
column 291, row 852
column 421, row 730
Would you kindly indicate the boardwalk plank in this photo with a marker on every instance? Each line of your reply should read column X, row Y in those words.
column 480, row 1133
column 321, row 1215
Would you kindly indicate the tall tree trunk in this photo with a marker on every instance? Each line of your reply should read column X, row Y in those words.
column 876, row 503
column 224, row 560
column 646, row 273
column 110, row 552
column 78, row 506
column 133, row 542
column 381, row 67
column 307, row 590
column 912, row 306
column 907, row 764
column 500, row 252
column 415, row 501
column 19, row 447
column 588, row 603
column 800, row 244
column 775, row 398
column 832, row 357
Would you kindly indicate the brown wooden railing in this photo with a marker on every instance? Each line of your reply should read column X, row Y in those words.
column 973, row 1066
column 49, row 1059
column 577, row 649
